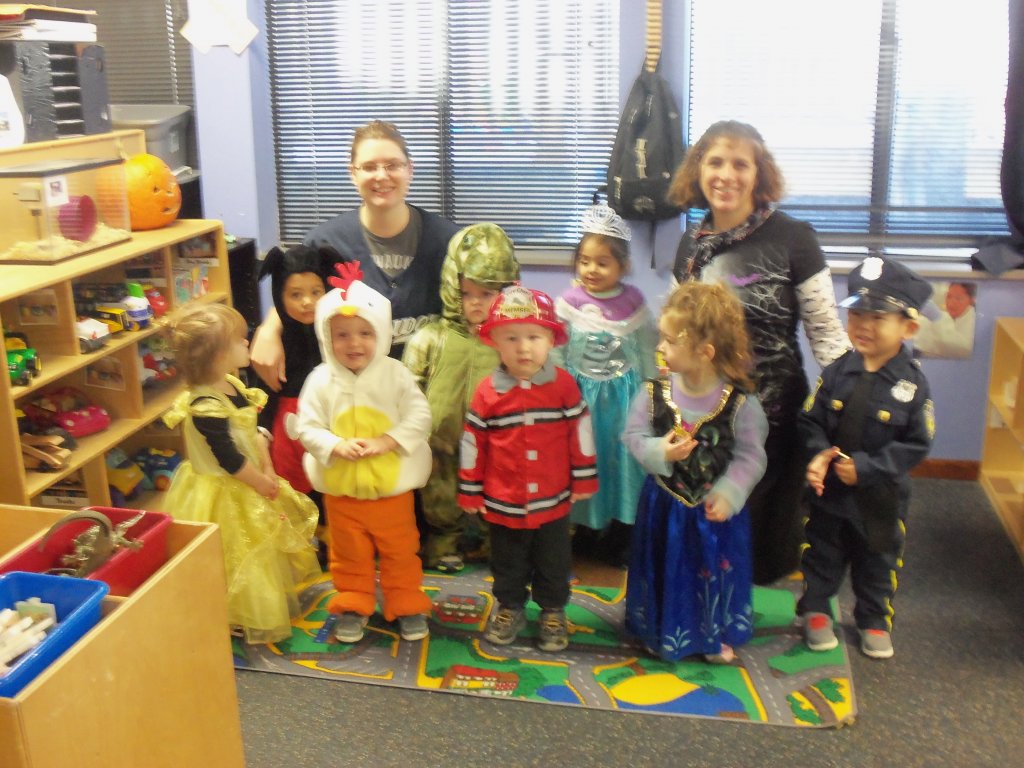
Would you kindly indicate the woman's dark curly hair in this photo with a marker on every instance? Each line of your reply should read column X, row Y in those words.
column 685, row 188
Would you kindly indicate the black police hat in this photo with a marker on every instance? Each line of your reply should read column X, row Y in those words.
column 882, row 285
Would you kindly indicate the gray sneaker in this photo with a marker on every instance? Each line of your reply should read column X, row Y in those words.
column 554, row 631
column 818, row 632
column 413, row 627
column 350, row 626
column 504, row 625
column 876, row 643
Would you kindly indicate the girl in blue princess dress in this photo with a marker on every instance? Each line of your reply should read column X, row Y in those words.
column 700, row 435
column 610, row 352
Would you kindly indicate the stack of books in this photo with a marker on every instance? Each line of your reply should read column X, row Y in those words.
column 24, row 21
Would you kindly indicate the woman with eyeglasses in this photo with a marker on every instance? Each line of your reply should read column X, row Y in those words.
column 776, row 268
column 399, row 246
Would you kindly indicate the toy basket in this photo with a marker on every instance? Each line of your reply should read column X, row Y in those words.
column 77, row 602
column 124, row 571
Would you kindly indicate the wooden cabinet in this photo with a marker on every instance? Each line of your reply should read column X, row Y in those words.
column 1002, row 458
column 39, row 301
column 152, row 684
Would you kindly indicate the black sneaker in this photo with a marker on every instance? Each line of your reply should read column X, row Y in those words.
column 504, row 625
column 449, row 564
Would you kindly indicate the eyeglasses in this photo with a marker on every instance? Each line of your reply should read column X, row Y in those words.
column 370, row 169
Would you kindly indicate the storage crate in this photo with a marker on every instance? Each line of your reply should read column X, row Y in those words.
column 77, row 603
column 165, row 126
column 124, row 571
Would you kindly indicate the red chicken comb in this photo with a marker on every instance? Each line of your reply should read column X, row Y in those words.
column 349, row 271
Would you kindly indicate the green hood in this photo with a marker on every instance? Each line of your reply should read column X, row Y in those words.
column 484, row 254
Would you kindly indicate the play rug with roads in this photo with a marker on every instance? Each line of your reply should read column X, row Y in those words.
column 774, row 678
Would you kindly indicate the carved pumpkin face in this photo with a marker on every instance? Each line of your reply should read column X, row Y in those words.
column 154, row 197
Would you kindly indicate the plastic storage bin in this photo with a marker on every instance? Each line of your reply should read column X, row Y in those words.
column 124, row 571
column 165, row 126
column 77, row 602
column 56, row 209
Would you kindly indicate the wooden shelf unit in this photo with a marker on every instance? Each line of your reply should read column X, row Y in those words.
column 1002, row 457
column 132, row 408
column 152, row 684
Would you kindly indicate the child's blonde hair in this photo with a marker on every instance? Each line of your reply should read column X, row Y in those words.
column 200, row 336
column 705, row 313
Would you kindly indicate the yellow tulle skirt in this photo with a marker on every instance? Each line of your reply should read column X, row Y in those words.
column 268, row 546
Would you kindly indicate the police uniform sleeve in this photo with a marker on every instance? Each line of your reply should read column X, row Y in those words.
column 813, row 424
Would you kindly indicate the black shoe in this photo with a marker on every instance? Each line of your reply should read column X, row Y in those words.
column 323, row 555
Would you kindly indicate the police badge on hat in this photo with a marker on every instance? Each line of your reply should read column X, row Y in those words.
column 904, row 391
column 884, row 285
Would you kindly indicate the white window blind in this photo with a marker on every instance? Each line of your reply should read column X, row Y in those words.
column 509, row 109
column 148, row 61
column 886, row 116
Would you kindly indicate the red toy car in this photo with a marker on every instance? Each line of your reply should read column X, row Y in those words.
column 157, row 302
column 68, row 409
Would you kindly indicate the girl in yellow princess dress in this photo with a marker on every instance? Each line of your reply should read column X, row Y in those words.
column 267, row 527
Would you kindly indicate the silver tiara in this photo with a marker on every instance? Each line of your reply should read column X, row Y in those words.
column 599, row 219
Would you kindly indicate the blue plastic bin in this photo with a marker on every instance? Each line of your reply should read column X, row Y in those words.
column 77, row 602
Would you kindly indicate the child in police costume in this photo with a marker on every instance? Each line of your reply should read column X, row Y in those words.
column 867, row 424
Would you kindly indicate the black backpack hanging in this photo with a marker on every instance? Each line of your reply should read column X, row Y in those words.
column 649, row 142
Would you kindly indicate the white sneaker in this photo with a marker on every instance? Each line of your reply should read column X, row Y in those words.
column 413, row 627
column 350, row 627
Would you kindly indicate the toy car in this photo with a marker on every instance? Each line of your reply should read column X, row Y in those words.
column 92, row 334
column 68, row 409
column 124, row 477
column 22, row 361
column 116, row 318
column 158, row 465
column 139, row 312
column 157, row 364
column 157, row 302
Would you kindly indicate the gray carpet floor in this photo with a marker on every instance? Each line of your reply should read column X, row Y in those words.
column 952, row 696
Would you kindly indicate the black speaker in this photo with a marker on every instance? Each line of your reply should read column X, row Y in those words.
column 243, row 268
column 90, row 64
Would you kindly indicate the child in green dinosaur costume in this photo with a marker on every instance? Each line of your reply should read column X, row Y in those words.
column 449, row 360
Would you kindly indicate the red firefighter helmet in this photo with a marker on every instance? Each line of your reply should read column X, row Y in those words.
column 517, row 304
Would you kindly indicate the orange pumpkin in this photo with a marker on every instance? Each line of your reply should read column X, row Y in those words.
column 154, row 197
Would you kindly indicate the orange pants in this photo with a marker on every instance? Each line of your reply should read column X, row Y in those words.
column 361, row 531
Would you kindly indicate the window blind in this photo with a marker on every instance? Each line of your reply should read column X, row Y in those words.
column 509, row 109
column 148, row 61
column 886, row 116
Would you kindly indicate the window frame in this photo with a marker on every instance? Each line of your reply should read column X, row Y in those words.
column 436, row 156
column 877, row 237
